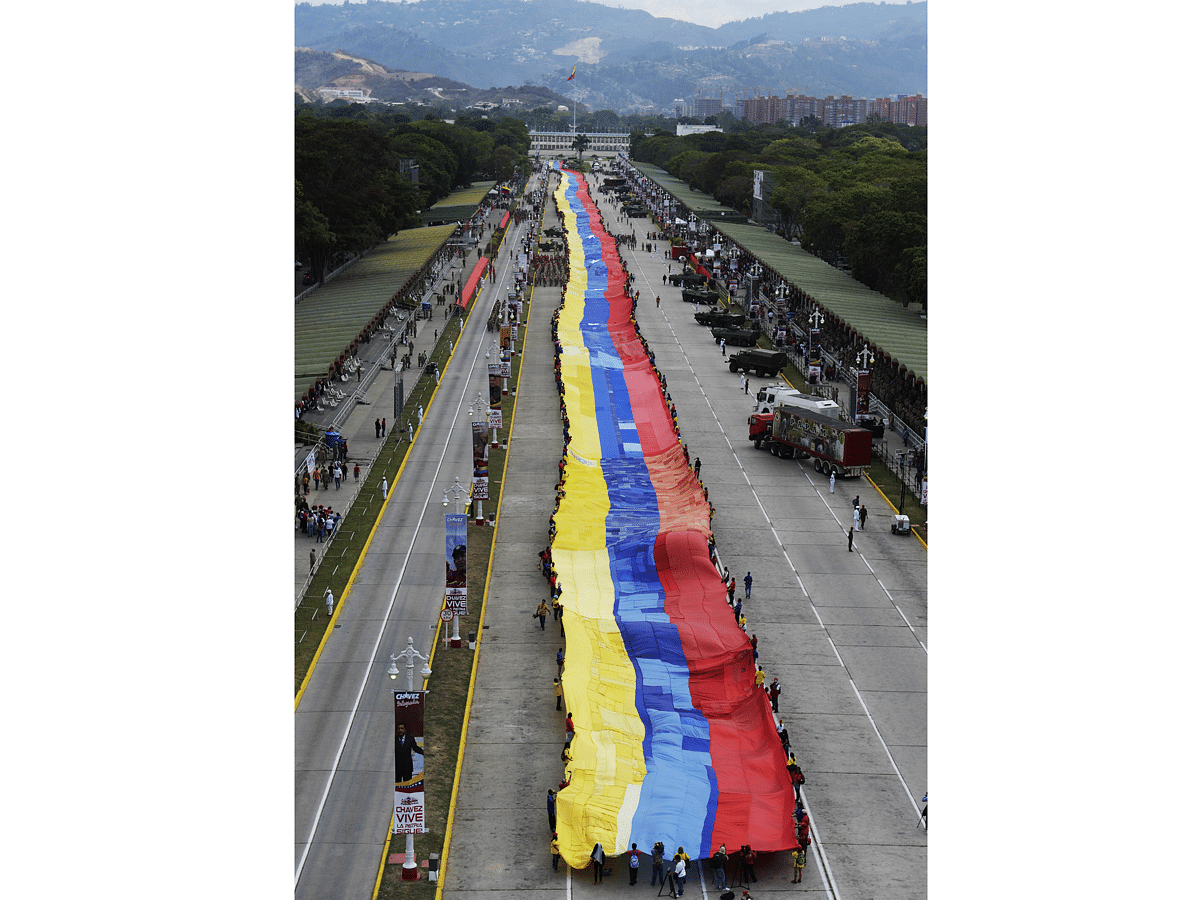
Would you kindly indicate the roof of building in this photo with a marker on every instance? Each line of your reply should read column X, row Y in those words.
column 460, row 205
column 329, row 319
column 899, row 331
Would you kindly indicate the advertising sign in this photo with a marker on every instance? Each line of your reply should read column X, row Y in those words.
column 479, row 453
column 456, row 562
column 863, row 400
column 409, row 806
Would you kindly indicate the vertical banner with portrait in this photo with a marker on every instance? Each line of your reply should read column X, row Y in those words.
column 408, row 816
column 863, row 402
column 456, row 563
column 495, row 396
column 479, row 453
column 505, row 337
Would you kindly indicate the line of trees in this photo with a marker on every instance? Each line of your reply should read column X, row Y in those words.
column 351, row 191
column 856, row 194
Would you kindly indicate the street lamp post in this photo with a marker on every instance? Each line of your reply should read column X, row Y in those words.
column 815, row 320
column 409, row 872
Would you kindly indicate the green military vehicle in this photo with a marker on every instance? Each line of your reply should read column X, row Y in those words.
column 763, row 363
column 696, row 295
column 739, row 337
column 687, row 279
column 717, row 318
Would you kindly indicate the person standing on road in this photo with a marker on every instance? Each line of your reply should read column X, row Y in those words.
column 748, row 581
column 656, row 865
column 551, row 810
column 634, row 864
column 862, row 518
column 798, row 856
column 748, row 858
column 554, row 850
column 597, row 864
column 680, row 874
column 312, row 560
column 329, row 600
column 832, row 476
column 850, row 545
column 743, row 382
column 696, row 466
column 722, row 346
column 541, row 612
column 376, row 429
column 855, row 525
column 774, row 694
column 557, row 694
column 718, row 866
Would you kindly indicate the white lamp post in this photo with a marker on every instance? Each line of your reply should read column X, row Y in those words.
column 410, row 856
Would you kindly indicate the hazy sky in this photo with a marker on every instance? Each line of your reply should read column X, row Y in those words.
column 705, row 12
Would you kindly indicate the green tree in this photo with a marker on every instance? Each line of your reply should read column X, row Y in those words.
column 580, row 143
column 313, row 239
column 794, row 188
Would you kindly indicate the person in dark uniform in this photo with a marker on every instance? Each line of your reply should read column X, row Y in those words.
column 406, row 745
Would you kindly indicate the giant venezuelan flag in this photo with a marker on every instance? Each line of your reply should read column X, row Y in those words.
column 673, row 743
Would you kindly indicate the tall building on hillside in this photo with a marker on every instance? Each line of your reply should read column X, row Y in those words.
column 705, row 107
column 904, row 110
column 844, row 110
column 834, row 111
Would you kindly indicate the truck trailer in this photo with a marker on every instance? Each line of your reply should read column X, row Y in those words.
column 835, row 447
column 770, row 395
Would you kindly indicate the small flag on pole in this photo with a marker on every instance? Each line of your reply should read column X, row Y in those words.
column 572, row 75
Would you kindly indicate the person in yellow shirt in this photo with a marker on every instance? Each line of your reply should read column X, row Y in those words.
column 554, row 850
column 760, row 676
column 797, row 865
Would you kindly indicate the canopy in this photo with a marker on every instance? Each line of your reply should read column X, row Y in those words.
column 673, row 740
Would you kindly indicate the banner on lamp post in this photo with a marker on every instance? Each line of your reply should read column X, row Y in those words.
column 456, row 562
column 863, row 401
column 408, row 815
column 479, row 453
column 495, row 396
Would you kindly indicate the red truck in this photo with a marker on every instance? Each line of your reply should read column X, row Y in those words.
column 835, row 447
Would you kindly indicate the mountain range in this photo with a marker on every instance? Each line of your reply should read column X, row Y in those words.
column 626, row 60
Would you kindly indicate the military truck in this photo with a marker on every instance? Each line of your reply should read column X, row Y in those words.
column 687, row 279
column 763, row 363
column 716, row 318
column 695, row 295
column 740, row 337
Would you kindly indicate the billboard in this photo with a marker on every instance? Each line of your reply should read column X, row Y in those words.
column 862, row 400
column 479, row 454
column 408, row 815
column 456, row 563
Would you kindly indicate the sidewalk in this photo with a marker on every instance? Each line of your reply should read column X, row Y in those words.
column 358, row 428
